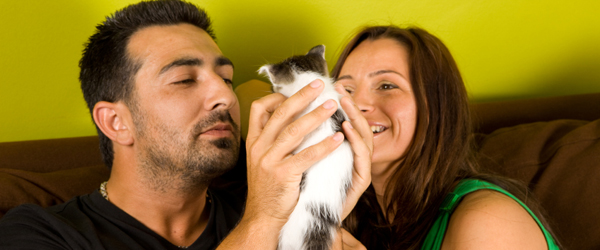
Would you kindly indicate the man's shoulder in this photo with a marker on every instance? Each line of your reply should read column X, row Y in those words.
column 23, row 213
column 35, row 213
column 30, row 225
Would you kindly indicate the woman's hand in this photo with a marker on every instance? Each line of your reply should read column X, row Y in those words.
column 344, row 240
column 359, row 134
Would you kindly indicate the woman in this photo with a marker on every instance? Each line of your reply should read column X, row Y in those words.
column 409, row 89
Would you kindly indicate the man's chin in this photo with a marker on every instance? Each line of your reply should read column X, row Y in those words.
column 224, row 143
column 226, row 152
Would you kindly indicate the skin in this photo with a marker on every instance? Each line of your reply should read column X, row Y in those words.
column 171, row 109
column 173, row 100
column 274, row 174
column 376, row 75
column 501, row 224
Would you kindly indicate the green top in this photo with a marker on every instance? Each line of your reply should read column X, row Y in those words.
column 436, row 233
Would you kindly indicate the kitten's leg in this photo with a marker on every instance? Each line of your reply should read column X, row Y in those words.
column 316, row 218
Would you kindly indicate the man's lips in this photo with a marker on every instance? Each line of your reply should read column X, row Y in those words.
column 221, row 129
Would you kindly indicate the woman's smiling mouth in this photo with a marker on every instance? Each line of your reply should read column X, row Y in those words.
column 377, row 129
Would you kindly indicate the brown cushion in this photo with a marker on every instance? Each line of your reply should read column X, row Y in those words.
column 47, row 189
column 561, row 161
column 49, row 172
column 51, row 155
column 490, row 116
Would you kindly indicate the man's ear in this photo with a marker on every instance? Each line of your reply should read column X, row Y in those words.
column 113, row 119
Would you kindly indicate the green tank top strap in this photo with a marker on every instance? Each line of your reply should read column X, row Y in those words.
column 434, row 238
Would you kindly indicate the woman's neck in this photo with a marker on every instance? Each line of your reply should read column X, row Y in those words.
column 380, row 176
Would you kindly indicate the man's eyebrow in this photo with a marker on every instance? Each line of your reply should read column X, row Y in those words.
column 181, row 62
column 222, row 61
column 385, row 71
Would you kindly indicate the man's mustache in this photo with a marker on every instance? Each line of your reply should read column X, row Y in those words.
column 214, row 117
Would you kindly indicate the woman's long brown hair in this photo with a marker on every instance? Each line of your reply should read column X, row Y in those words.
column 440, row 154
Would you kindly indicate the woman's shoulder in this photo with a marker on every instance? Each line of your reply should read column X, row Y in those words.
column 488, row 219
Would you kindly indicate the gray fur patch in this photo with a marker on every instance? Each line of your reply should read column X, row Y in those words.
column 338, row 118
column 345, row 187
column 318, row 235
column 302, row 182
column 281, row 73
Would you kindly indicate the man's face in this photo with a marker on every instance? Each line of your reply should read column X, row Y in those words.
column 185, row 112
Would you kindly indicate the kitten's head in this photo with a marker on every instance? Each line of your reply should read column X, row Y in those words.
column 285, row 72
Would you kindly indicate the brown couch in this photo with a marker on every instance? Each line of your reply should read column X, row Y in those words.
column 552, row 144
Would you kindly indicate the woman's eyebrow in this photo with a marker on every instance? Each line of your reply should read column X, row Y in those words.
column 344, row 77
column 385, row 71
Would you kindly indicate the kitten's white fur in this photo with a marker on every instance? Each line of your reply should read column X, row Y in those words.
column 326, row 182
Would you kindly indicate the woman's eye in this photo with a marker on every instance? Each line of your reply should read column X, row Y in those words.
column 349, row 91
column 388, row 86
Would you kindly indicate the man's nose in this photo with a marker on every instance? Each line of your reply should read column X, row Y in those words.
column 219, row 94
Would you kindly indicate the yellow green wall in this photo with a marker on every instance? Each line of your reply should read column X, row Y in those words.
column 506, row 49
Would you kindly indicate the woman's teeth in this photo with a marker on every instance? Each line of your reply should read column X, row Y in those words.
column 377, row 129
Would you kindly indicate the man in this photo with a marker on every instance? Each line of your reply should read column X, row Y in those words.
column 160, row 93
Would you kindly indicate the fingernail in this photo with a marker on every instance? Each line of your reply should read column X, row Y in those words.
column 338, row 136
column 315, row 84
column 328, row 104
column 350, row 125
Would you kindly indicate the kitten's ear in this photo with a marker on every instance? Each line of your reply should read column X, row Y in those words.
column 317, row 50
column 266, row 71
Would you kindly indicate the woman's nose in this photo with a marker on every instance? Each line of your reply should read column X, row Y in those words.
column 364, row 100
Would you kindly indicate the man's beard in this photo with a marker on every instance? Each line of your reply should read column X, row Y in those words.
column 171, row 162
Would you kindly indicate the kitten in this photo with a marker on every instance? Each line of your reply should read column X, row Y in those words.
column 316, row 218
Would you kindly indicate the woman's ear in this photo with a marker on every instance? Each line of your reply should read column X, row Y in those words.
column 113, row 120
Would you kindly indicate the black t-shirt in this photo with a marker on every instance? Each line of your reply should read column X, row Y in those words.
column 91, row 222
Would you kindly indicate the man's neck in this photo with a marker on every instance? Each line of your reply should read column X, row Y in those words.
column 179, row 217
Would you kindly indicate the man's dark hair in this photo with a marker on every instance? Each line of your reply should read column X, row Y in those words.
column 107, row 72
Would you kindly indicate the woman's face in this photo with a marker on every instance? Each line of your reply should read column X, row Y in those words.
column 376, row 74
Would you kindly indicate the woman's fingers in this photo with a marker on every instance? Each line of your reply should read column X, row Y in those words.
column 357, row 120
column 359, row 135
column 361, row 173
column 346, row 241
